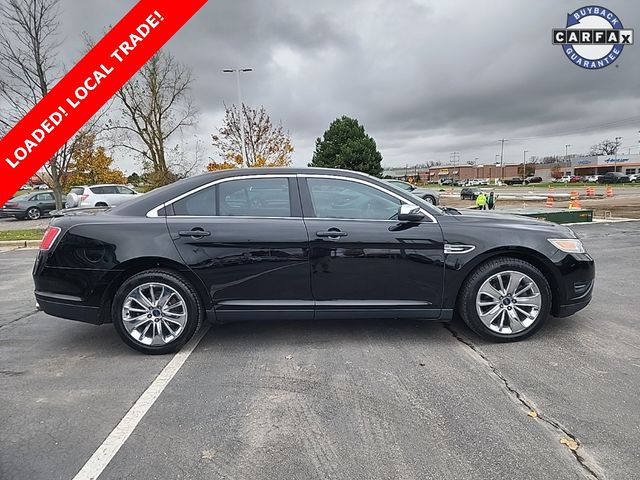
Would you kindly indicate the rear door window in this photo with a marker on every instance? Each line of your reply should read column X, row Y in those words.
column 255, row 197
column 199, row 204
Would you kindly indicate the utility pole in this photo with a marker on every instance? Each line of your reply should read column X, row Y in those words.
column 502, row 140
column 615, row 155
column 243, row 148
column 524, row 164
column 454, row 157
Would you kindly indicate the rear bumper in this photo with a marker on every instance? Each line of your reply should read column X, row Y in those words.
column 65, row 307
column 12, row 212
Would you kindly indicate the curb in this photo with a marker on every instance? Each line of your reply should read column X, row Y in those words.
column 20, row 243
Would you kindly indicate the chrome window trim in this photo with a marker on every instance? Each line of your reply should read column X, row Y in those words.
column 364, row 182
column 153, row 213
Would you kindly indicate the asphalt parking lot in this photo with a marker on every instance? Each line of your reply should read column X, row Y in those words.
column 347, row 400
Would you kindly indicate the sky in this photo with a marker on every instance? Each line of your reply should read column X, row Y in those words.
column 425, row 78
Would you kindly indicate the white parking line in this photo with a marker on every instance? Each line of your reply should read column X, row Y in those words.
column 105, row 452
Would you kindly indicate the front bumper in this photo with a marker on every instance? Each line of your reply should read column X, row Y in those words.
column 575, row 284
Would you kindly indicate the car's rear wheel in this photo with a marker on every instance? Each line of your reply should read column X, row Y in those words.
column 429, row 199
column 156, row 312
column 505, row 299
column 33, row 213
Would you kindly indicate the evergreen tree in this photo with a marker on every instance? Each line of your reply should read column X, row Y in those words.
column 346, row 145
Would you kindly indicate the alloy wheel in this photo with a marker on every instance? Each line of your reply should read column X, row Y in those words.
column 508, row 302
column 154, row 314
column 33, row 214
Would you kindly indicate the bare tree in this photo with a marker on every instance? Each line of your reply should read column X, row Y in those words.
column 28, row 68
column 606, row 147
column 156, row 103
column 266, row 144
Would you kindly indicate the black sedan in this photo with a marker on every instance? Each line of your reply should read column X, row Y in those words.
column 30, row 206
column 304, row 244
column 469, row 193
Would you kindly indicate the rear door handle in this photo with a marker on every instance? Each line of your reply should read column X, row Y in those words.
column 194, row 233
column 331, row 234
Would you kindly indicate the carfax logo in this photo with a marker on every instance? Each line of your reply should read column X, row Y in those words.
column 593, row 38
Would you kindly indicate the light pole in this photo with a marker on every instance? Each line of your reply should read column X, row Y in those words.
column 243, row 148
column 615, row 155
column 524, row 164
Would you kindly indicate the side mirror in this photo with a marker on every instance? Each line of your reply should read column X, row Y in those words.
column 410, row 213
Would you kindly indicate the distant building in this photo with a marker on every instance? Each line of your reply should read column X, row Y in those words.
column 628, row 164
column 468, row 172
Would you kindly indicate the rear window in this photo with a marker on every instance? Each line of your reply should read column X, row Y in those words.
column 77, row 190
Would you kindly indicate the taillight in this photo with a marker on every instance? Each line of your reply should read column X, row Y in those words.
column 10, row 205
column 83, row 197
column 50, row 236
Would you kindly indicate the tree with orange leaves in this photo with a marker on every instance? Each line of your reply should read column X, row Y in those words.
column 266, row 144
column 90, row 164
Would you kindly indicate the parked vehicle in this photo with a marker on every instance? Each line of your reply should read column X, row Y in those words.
column 301, row 243
column 575, row 179
column 469, row 193
column 447, row 182
column 427, row 194
column 614, row 177
column 634, row 177
column 564, row 179
column 529, row 180
column 30, row 206
column 592, row 178
column 107, row 195
column 514, row 181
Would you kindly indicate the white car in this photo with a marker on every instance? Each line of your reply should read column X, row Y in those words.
column 592, row 178
column 108, row 195
column 634, row 178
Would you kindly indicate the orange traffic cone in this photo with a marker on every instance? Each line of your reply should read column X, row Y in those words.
column 549, row 201
column 609, row 191
column 591, row 191
column 574, row 200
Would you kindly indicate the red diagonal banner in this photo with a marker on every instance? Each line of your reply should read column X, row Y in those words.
column 87, row 87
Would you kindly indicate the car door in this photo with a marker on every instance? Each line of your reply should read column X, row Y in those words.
column 364, row 262
column 246, row 240
column 47, row 202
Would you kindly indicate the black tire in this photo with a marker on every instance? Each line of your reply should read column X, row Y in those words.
column 194, row 308
column 33, row 213
column 466, row 305
column 429, row 199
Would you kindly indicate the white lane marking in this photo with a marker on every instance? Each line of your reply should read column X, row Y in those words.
column 105, row 452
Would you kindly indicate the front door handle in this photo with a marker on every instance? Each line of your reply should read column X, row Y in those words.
column 331, row 234
column 196, row 233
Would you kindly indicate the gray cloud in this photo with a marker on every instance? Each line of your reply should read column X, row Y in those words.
column 424, row 77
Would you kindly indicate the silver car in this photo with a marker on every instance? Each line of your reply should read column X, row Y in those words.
column 107, row 195
column 30, row 206
column 426, row 194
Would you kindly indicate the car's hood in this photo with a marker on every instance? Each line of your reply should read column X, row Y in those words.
column 488, row 219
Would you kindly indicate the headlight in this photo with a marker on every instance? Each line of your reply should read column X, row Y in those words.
column 569, row 245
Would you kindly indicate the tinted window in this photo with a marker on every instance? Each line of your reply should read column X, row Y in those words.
column 202, row 203
column 261, row 197
column 333, row 198
column 124, row 190
column 43, row 197
column 104, row 190
column 78, row 190
column 402, row 185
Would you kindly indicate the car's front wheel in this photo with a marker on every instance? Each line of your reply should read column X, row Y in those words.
column 505, row 299
column 156, row 311
column 429, row 199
